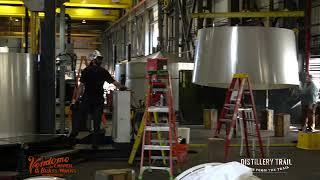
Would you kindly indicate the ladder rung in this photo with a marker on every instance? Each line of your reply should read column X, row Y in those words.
column 162, row 141
column 160, row 89
column 158, row 71
column 228, row 115
column 156, row 147
column 230, row 105
column 161, row 157
column 164, row 109
column 252, row 135
column 225, row 120
column 160, row 124
column 157, row 128
column 156, row 168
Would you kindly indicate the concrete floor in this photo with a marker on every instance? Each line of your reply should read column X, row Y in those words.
column 305, row 163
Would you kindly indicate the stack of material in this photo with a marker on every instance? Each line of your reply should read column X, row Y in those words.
column 210, row 117
column 115, row 174
column 216, row 149
column 267, row 120
column 282, row 124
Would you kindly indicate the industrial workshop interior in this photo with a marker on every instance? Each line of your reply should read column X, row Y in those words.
column 159, row 89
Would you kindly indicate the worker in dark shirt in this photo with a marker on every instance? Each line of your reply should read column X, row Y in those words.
column 91, row 92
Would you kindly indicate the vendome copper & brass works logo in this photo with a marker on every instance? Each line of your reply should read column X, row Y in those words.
column 53, row 166
column 267, row 165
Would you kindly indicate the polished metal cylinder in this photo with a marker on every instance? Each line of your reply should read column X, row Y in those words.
column 18, row 95
column 136, row 79
column 268, row 55
column 120, row 71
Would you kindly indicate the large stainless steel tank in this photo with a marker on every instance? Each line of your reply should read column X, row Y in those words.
column 268, row 55
column 136, row 79
column 120, row 71
column 18, row 95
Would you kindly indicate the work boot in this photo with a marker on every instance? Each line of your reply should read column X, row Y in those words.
column 309, row 129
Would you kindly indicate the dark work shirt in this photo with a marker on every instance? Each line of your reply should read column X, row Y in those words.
column 93, row 78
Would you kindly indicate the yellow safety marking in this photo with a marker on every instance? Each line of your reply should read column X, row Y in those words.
column 241, row 75
column 238, row 145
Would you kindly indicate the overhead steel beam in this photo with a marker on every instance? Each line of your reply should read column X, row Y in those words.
column 21, row 35
column 75, row 13
column 92, row 14
column 8, row 2
column 105, row 4
column 249, row 14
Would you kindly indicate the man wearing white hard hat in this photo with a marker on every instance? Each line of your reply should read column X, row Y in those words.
column 91, row 92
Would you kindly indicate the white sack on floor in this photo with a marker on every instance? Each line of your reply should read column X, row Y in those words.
column 227, row 171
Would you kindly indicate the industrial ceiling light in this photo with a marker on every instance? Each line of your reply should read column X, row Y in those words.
column 84, row 21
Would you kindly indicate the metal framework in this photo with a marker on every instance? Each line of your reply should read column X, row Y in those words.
column 75, row 13
column 249, row 14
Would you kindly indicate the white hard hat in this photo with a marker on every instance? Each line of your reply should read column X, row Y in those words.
column 94, row 55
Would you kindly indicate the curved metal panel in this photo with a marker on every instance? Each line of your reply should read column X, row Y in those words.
column 18, row 96
column 268, row 55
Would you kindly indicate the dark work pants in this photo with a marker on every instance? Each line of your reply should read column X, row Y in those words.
column 308, row 115
column 86, row 107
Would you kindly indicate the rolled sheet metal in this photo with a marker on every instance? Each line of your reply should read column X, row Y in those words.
column 268, row 55
column 18, row 95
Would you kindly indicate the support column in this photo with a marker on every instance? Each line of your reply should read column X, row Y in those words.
column 235, row 6
column 47, row 70
column 62, row 84
column 308, row 32
column 200, row 10
column 160, row 26
column 34, row 32
column 26, row 30
column 176, row 27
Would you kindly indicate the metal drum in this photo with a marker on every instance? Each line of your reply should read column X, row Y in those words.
column 268, row 55
column 18, row 95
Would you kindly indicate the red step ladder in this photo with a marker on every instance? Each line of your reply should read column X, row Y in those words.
column 159, row 136
column 239, row 101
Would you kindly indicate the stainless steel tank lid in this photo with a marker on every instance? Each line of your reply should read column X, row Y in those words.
column 268, row 55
